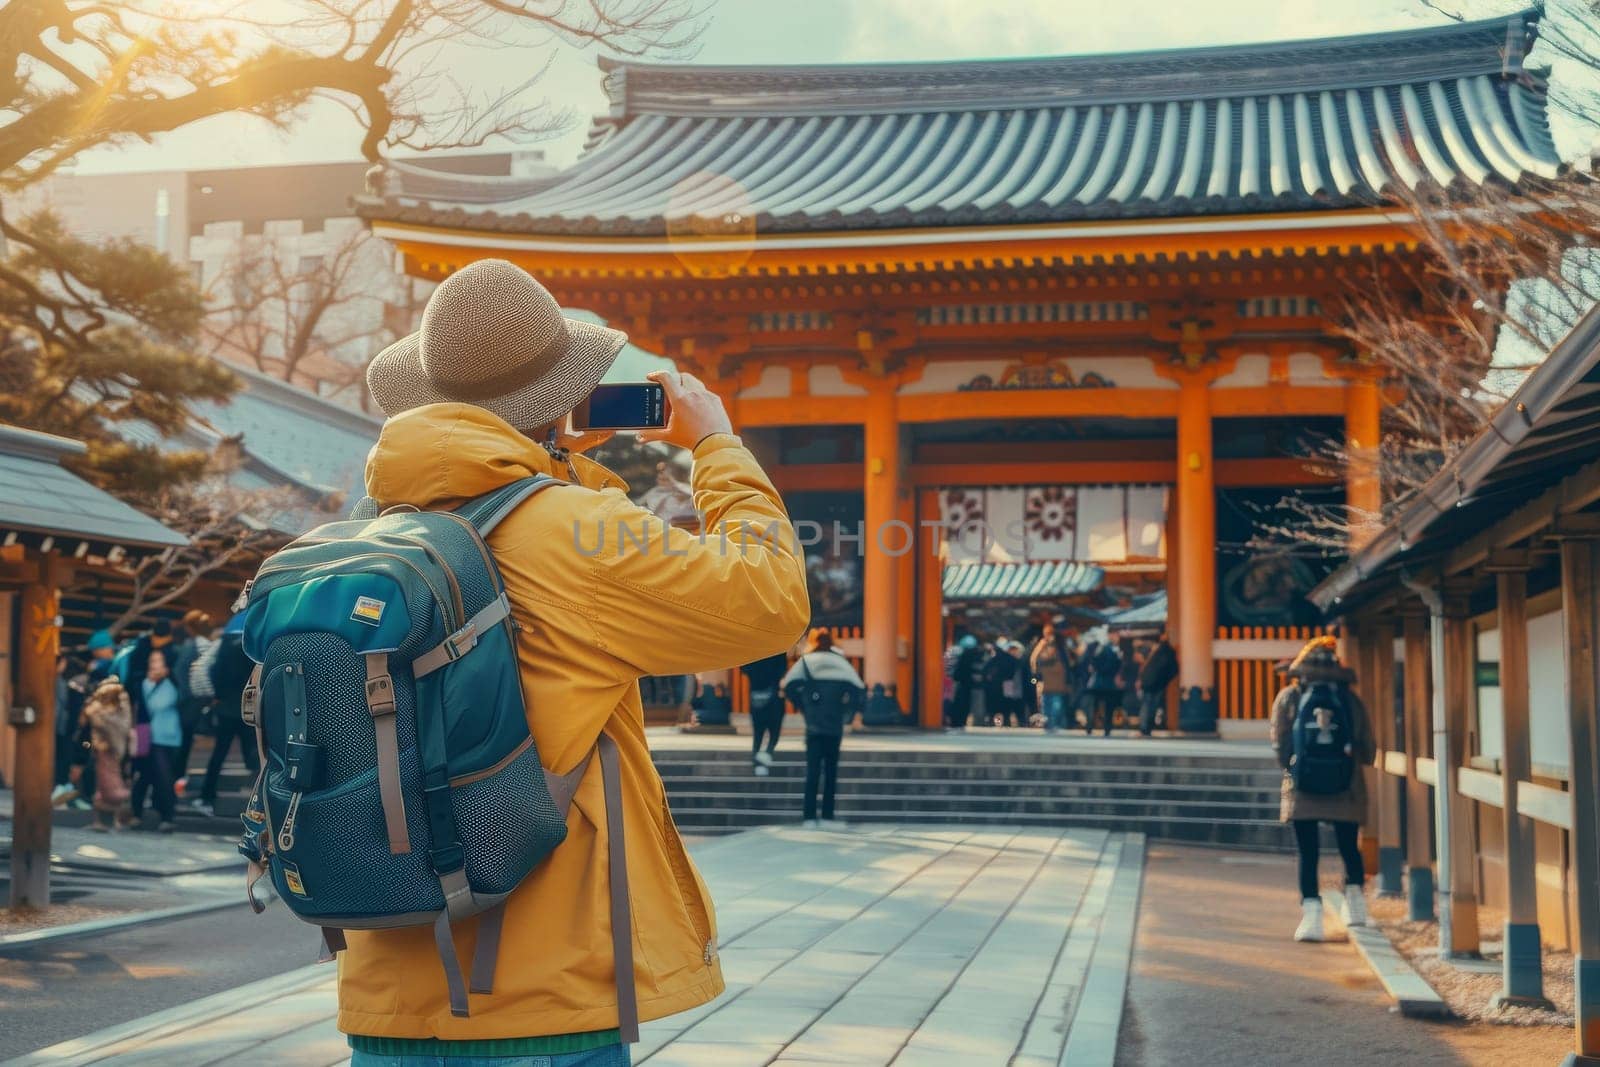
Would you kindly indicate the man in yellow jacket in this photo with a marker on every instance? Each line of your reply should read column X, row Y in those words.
column 476, row 400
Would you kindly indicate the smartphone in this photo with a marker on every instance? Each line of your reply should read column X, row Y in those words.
column 623, row 406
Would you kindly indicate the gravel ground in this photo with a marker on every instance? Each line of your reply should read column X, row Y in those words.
column 1467, row 990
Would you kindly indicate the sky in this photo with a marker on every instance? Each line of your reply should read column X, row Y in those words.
column 815, row 31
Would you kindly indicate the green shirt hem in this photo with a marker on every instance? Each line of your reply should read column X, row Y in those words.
column 552, row 1045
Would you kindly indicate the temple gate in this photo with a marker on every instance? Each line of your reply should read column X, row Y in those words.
column 1103, row 277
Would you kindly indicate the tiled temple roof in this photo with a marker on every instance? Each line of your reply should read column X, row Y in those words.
column 42, row 499
column 1296, row 126
column 1040, row 580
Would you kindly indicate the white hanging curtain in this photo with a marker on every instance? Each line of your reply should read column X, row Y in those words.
column 1009, row 524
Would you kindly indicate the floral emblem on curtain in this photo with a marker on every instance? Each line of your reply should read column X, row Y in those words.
column 1051, row 513
column 963, row 513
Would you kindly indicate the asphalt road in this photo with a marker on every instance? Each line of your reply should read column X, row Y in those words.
column 55, row 991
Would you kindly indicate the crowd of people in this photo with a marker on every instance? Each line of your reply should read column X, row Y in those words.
column 1058, row 679
column 127, row 715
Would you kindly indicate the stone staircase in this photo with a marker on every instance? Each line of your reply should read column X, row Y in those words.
column 1224, row 800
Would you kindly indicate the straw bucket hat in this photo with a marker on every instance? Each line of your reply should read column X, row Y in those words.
column 493, row 336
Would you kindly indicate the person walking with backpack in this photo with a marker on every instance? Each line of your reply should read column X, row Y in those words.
column 766, row 708
column 489, row 673
column 829, row 692
column 1323, row 739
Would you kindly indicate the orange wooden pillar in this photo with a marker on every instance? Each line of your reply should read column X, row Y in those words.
column 883, row 538
column 1196, row 556
column 905, row 596
column 1363, row 484
column 930, row 613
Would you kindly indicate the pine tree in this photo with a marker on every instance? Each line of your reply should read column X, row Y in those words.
column 94, row 337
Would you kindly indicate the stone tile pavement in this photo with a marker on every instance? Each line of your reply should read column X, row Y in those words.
column 879, row 945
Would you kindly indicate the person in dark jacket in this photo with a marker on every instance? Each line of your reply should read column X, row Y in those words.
column 1002, row 685
column 1105, row 665
column 1318, row 662
column 1160, row 668
column 965, row 674
column 230, row 673
column 766, row 708
column 828, row 691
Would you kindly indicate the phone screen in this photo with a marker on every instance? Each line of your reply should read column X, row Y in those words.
column 626, row 406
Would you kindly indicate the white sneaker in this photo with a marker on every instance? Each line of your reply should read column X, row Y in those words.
column 1310, row 928
column 811, row 824
column 62, row 793
column 1355, row 906
column 834, row 824
column 761, row 770
column 764, row 758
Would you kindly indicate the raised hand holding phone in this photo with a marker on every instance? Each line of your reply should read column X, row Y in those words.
column 694, row 412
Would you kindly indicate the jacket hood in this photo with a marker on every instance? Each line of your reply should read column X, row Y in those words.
column 441, row 454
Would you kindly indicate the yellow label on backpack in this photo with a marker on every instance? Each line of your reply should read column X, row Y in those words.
column 291, row 879
column 368, row 610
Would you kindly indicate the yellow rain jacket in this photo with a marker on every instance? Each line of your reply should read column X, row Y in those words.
column 597, row 612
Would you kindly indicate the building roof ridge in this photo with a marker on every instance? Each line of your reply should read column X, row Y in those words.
column 260, row 381
column 1312, row 64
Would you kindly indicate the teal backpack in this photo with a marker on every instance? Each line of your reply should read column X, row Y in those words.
column 400, row 785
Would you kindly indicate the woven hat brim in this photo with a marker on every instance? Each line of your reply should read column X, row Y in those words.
column 399, row 383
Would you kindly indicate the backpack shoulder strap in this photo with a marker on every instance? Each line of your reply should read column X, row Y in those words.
column 487, row 511
column 484, row 512
column 486, row 954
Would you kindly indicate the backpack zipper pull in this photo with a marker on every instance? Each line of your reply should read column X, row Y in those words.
column 286, row 831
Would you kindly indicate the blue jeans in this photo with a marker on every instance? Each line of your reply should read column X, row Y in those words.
column 1055, row 710
column 610, row 1056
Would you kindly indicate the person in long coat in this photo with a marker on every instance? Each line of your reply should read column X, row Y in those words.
column 1318, row 662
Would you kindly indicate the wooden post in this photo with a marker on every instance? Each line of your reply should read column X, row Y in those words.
column 1174, row 603
column 1523, row 968
column 881, row 537
column 1197, row 557
column 905, row 630
column 1380, row 685
column 1355, row 651
column 1580, row 570
column 930, row 611
column 1363, row 486
column 1459, row 930
column 39, row 640
column 1419, row 824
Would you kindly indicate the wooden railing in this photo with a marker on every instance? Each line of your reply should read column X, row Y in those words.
column 1246, row 665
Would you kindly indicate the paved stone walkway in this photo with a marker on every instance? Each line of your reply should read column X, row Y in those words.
column 875, row 946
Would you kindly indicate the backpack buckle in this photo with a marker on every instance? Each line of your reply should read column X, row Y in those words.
column 380, row 695
column 461, row 642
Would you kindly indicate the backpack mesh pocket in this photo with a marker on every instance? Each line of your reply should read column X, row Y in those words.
column 507, row 823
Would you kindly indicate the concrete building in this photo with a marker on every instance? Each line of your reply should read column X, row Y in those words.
column 297, row 286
